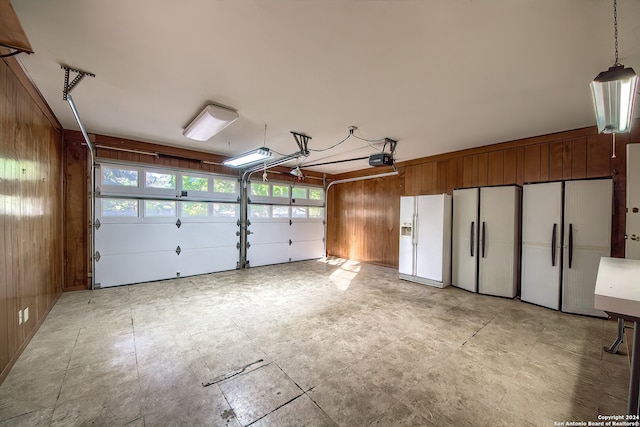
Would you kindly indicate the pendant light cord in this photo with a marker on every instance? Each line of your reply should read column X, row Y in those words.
column 615, row 26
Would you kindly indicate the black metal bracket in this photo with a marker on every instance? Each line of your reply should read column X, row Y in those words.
column 392, row 145
column 68, row 87
column 303, row 142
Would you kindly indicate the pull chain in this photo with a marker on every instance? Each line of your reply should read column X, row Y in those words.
column 615, row 25
column 613, row 145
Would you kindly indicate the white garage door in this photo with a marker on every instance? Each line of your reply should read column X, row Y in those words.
column 154, row 224
column 286, row 223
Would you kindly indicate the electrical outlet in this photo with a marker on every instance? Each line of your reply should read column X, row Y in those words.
column 19, row 317
column 25, row 315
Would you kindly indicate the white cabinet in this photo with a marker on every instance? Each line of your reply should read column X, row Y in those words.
column 587, row 238
column 425, row 239
column 464, row 239
column 542, row 206
column 499, row 252
column 561, row 251
column 486, row 240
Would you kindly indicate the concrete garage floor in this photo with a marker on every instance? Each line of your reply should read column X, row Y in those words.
column 341, row 343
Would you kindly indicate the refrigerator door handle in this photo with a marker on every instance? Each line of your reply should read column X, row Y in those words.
column 472, row 237
column 414, row 230
column 483, row 238
column 553, row 244
column 570, row 245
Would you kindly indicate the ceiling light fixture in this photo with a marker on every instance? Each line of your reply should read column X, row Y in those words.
column 249, row 158
column 614, row 93
column 297, row 172
column 211, row 121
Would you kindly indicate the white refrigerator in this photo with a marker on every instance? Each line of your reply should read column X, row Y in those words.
column 566, row 229
column 425, row 239
column 486, row 240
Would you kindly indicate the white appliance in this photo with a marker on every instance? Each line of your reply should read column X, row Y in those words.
column 425, row 239
column 486, row 240
column 566, row 229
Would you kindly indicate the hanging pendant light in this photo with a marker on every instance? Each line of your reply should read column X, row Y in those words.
column 614, row 93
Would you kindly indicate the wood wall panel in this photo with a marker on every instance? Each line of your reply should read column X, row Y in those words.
column 510, row 163
column 363, row 220
column 598, row 155
column 76, row 214
column 5, row 354
column 579, row 158
column 531, row 166
column 470, row 171
column 573, row 154
column 413, row 180
column 495, row 174
column 555, row 160
column 544, row 161
column 428, row 179
column 520, row 165
column 566, row 159
column 483, row 169
column 30, row 211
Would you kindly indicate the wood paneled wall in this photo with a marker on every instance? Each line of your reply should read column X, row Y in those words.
column 31, row 201
column 357, row 231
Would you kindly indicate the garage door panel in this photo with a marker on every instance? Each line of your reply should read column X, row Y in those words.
column 122, row 269
column 307, row 231
column 207, row 260
column 136, row 237
column 310, row 249
column 270, row 253
column 208, row 235
column 269, row 232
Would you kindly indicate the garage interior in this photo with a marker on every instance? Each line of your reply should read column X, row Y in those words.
column 144, row 282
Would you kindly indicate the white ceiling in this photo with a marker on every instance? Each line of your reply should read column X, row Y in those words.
column 438, row 75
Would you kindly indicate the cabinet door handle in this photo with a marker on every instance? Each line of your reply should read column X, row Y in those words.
column 483, row 238
column 553, row 244
column 472, row 237
column 570, row 245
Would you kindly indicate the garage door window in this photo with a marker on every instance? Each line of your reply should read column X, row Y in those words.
column 195, row 183
column 299, row 212
column 280, row 212
column 280, row 191
column 225, row 210
column 160, row 180
column 224, row 186
column 159, row 208
column 317, row 213
column 260, row 211
column 120, row 208
column 120, row 177
column 194, row 209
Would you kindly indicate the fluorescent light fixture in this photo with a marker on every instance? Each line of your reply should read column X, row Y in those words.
column 211, row 121
column 255, row 156
column 614, row 93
